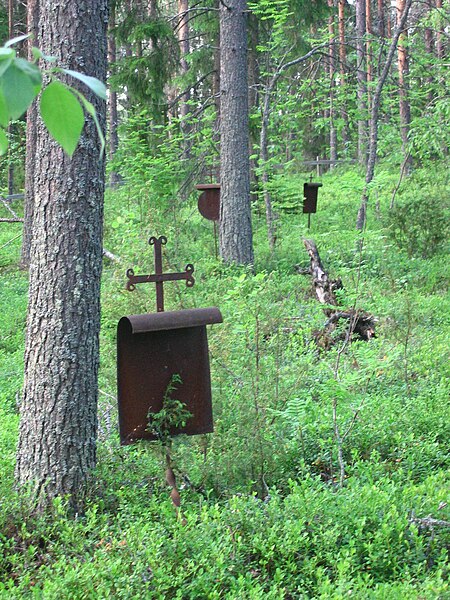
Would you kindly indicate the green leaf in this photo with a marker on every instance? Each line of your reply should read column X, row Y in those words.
column 39, row 54
column 3, row 143
column 32, row 71
column 90, row 109
column 6, row 57
column 93, row 83
column 4, row 118
column 62, row 115
column 18, row 90
column 16, row 40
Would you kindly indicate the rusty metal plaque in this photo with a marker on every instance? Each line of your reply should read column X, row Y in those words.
column 310, row 197
column 209, row 201
column 151, row 350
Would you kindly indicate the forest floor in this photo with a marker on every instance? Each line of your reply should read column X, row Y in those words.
column 327, row 475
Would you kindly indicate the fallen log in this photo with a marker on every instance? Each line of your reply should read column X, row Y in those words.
column 359, row 323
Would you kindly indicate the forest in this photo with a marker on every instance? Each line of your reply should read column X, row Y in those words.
column 224, row 309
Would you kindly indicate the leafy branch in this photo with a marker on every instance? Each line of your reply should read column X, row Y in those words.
column 173, row 414
column 61, row 106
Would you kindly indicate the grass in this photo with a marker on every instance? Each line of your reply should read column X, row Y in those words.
column 264, row 516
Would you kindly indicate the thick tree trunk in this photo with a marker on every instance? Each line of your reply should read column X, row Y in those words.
column 236, row 243
column 58, row 424
column 362, row 80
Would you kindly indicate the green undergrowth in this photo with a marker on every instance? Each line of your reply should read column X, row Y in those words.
column 263, row 511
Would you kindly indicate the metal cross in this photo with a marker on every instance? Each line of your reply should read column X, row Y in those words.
column 159, row 277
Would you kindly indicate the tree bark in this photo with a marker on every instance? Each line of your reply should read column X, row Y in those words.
column 30, row 148
column 381, row 19
column 439, row 44
column 403, row 85
column 183, row 40
column 58, row 413
column 236, row 243
column 253, row 95
column 216, row 74
column 331, row 73
column 429, row 48
column 342, row 67
column 361, row 80
column 112, row 100
column 10, row 126
column 368, row 48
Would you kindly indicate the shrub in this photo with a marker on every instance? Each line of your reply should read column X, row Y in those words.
column 419, row 223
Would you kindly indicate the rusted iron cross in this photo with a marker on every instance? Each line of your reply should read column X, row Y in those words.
column 159, row 277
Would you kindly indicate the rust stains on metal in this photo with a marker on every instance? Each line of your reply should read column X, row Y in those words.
column 151, row 350
column 209, row 201
column 159, row 277
column 310, row 197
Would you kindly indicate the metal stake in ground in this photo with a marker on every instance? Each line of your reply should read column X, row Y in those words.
column 159, row 277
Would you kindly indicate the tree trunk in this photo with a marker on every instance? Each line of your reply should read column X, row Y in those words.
column 429, row 48
column 183, row 40
column 264, row 153
column 342, row 67
column 58, row 413
column 331, row 73
column 112, row 103
column 403, row 85
column 381, row 19
column 30, row 148
column 216, row 74
column 373, row 141
column 368, row 49
column 10, row 126
column 236, row 244
column 253, row 96
column 439, row 44
column 361, row 79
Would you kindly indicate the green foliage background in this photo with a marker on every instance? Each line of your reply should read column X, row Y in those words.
column 263, row 514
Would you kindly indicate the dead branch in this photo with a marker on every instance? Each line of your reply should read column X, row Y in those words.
column 429, row 522
column 360, row 323
column 111, row 256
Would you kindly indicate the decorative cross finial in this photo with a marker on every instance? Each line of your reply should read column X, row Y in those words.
column 159, row 277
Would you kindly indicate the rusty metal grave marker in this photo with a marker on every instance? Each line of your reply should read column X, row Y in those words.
column 310, row 191
column 155, row 348
column 209, row 205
